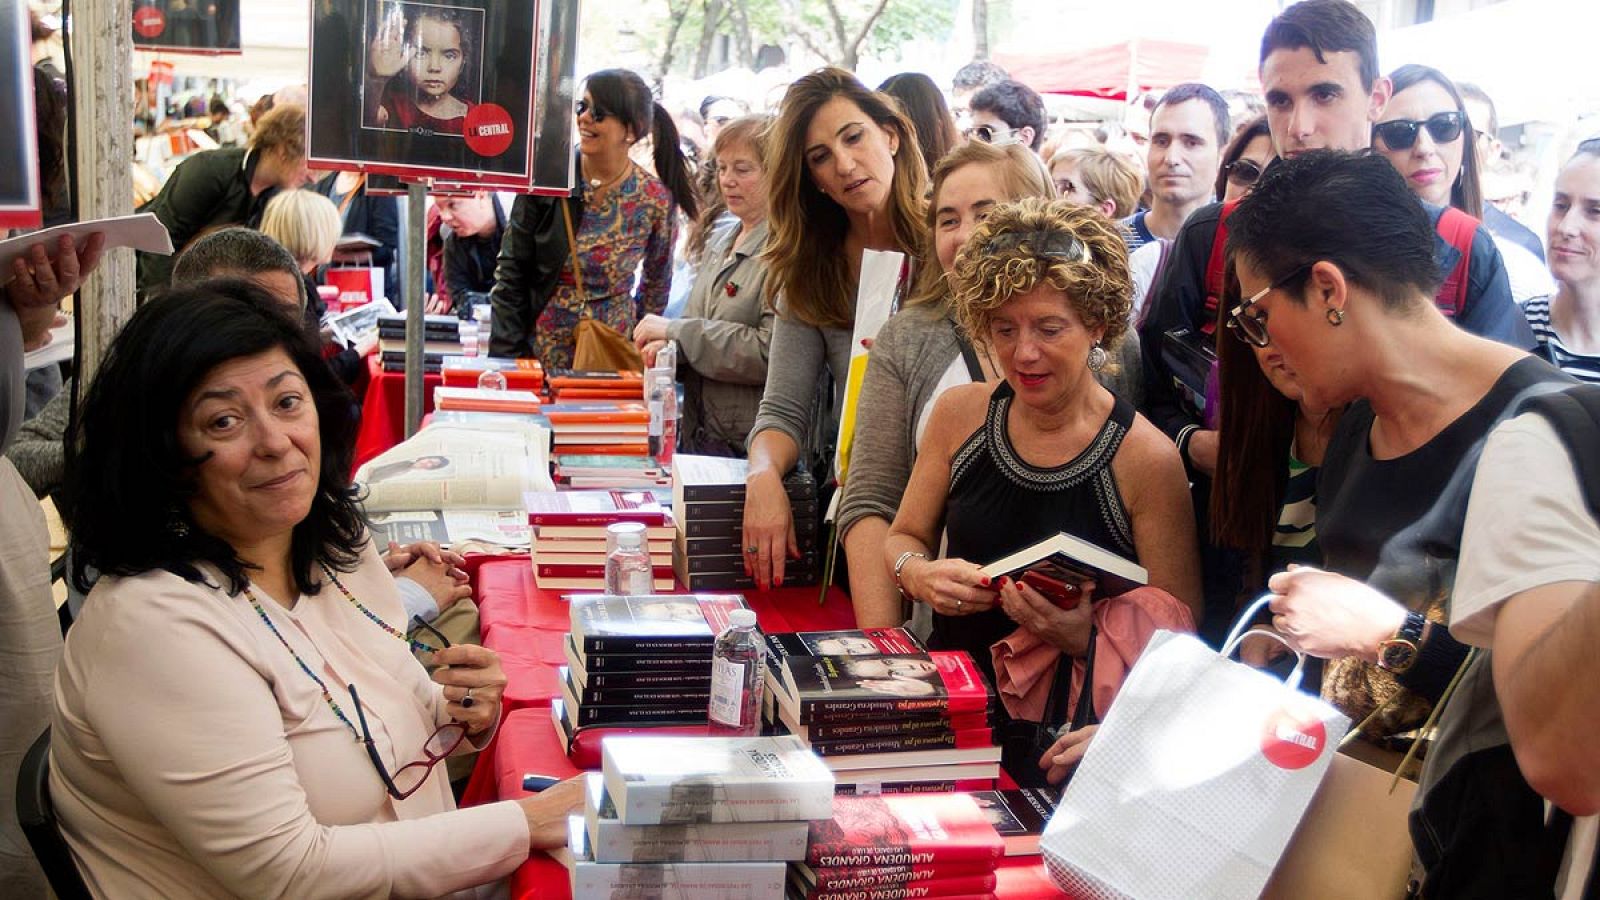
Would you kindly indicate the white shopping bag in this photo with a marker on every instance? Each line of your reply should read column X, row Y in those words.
column 1196, row 779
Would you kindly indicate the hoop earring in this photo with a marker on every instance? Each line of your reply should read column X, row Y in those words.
column 1098, row 357
column 1335, row 317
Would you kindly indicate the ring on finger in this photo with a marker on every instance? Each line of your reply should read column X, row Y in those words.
column 958, row 605
column 752, row 549
column 467, row 701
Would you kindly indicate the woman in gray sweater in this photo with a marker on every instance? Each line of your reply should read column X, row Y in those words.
column 845, row 176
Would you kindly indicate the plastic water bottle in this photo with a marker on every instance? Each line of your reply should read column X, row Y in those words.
column 468, row 332
column 663, row 399
column 735, row 709
column 491, row 380
column 667, row 359
column 628, row 569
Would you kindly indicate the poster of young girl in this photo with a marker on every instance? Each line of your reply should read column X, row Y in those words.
column 443, row 89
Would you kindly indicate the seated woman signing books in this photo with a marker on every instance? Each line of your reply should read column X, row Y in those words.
column 238, row 711
column 1045, row 286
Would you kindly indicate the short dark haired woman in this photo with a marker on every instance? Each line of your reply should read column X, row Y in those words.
column 238, row 710
column 923, row 103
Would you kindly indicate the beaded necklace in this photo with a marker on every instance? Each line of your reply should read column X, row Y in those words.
column 327, row 695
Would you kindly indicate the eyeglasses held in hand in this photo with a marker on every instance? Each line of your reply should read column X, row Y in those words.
column 1248, row 323
column 411, row 776
column 596, row 114
column 420, row 630
column 1400, row 134
column 1243, row 172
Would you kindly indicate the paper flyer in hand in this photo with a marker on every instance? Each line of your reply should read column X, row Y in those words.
column 875, row 302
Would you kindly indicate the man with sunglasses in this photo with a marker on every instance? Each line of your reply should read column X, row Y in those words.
column 1008, row 113
column 1319, row 72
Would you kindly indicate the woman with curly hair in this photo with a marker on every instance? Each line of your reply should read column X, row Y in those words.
column 1047, row 450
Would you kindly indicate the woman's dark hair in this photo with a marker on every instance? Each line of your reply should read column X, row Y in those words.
column 1467, row 193
column 128, row 479
column 624, row 94
column 923, row 103
column 1249, row 131
column 1254, row 436
column 1353, row 210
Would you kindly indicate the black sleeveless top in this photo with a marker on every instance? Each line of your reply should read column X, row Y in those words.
column 998, row 504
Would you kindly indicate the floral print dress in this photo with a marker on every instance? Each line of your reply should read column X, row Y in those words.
column 630, row 229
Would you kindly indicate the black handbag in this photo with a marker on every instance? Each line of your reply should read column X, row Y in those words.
column 1024, row 743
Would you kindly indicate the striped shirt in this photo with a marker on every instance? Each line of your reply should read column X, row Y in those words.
column 1134, row 231
column 1584, row 367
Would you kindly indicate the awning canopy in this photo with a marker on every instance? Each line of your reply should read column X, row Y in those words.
column 1113, row 71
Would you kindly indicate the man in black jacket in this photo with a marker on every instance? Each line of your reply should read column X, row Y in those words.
column 532, row 254
column 472, row 228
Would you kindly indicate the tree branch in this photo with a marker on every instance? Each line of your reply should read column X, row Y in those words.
column 854, row 47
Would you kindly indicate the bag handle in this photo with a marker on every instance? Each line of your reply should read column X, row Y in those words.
column 572, row 255
column 1241, row 630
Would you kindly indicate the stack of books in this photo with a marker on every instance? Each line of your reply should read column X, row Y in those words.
column 604, row 470
column 569, row 535
column 905, row 721
column 520, row 374
column 578, row 386
column 640, row 660
column 898, row 846
column 708, row 501
column 441, row 337
column 600, row 427
column 700, row 817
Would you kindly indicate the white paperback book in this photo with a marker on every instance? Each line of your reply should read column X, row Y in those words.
column 610, row 841
column 667, row 780
column 668, row 880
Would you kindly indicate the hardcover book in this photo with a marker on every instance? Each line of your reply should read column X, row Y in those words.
column 627, row 714
column 872, row 780
column 820, row 689
column 850, row 878
column 596, row 414
column 1073, row 560
column 919, row 724
column 904, row 829
column 666, row 780
column 575, row 508
column 478, row 400
column 671, row 696
column 720, row 479
column 668, row 880
column 654, row 623
column 612, row 841
column 520, row 374
column 1019, row 815
column 583, row 668
column 977, row 886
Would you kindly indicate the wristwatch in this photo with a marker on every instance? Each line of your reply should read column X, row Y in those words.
column 1399, row 653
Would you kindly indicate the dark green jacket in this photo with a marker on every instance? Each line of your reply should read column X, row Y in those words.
column 210, row 189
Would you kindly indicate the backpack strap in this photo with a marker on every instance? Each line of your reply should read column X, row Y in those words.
column 1458, row 230
column 1216, row 267
column 1574, row 413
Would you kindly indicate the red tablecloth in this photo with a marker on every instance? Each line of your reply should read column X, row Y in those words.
column 383, row 409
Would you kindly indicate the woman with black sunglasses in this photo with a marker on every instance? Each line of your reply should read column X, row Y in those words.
column 1245, row 159
column 1425, row 135
column 623, row 218
column 238, row 711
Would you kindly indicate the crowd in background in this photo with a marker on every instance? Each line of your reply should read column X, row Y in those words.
column 1284, row 344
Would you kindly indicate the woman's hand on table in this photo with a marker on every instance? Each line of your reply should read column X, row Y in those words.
column 468, row 668
column 650, row 328
column 1331, row 616
column 1065, row 627
column 547, row 813
column 1065, row 754
column 768, row 529
column 951, row 587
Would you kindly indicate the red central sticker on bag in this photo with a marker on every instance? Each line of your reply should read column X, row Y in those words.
column 1293, row 740
column 488, row 129
column 149, row 21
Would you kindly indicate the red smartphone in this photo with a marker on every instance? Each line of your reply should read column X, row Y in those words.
column 1053, row 589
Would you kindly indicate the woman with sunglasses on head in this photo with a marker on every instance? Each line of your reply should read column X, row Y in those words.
column 844, row 176
column 238, row 710
column 623, row 219
column 1567, row 323
column 1336, row 267
column 1425, row 134
column 1044, row 449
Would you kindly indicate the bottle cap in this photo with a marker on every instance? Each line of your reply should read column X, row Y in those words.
column 742, row 618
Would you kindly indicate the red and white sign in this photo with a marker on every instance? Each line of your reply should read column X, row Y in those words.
column 148, row 21
column 1293, row 740
column 488, row 130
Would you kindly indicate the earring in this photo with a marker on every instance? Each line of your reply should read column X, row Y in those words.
column 1097, row 357
column 1335, row 317
column 176, row 526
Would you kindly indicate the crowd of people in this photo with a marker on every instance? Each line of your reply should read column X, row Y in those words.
column 1292, row 352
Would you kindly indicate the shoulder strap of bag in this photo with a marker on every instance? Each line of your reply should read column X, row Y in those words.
column 1216, row 266
column 1575, row 415
column 1055, row 704
column 344, row 205
column 969, row 355
column 1458, row 229
column 572, row 255
column 1084, row 715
